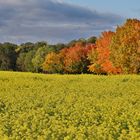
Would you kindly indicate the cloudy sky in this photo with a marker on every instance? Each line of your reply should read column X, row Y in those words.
column 61, row 20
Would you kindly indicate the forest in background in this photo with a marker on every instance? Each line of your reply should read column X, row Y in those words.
column 115, row 52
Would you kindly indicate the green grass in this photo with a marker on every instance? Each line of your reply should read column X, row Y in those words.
column 57, row 107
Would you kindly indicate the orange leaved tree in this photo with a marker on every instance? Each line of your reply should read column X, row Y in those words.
column 76, row 58
column 99, row 56
column 125, row 47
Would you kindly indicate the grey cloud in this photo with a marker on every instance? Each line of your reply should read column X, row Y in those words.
column 52, row 20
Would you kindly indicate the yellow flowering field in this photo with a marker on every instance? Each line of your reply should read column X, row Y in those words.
column 69, row 107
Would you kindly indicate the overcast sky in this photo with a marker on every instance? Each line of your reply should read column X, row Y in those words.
column 61, row 20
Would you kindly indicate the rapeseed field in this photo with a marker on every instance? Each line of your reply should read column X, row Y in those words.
column 69, row 107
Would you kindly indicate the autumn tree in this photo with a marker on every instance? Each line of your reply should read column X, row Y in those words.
column 99, row 56
column 125, row 47
column 54, row 62
column 76, row 58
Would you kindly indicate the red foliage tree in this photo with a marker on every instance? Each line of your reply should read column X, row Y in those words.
column 75, row 60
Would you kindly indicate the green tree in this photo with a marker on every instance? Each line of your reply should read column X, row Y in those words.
column 24, row 61
column 28, row 61
column 20, row 62
column 8, row 56
column 39, row 57
column 92, row 40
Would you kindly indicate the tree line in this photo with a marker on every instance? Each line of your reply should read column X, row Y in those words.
column 115, row 52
